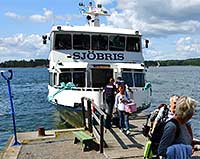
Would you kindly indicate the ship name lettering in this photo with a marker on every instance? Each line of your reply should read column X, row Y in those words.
column 91, row 55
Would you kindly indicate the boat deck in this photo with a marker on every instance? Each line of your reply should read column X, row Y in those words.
column 58, row 144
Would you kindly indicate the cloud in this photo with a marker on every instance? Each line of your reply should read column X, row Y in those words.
column 47, row 16
column 188, row 47
column 14, row 15
column 152, row 54
column 103, row 2
column 22, row 47
column 157, row 18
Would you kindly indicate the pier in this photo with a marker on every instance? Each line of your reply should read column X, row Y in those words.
column 92, row 141
column 59, row 144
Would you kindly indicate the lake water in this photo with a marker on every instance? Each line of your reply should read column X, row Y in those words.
column 29, row 90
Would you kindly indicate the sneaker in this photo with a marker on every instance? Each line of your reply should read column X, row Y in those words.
column 128, row 132
column 121, row 130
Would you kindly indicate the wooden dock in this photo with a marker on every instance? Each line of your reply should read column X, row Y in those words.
column 58, row 144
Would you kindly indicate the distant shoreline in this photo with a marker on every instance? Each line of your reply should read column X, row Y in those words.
column 43, row 63
column 186, row 62
column 37, row 63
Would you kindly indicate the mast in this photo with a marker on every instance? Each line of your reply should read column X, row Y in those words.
column 93, row 13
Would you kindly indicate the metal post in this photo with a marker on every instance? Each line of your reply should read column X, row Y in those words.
column 83, row 111
column 11, row 105
column 101, row 133
column 89, row 116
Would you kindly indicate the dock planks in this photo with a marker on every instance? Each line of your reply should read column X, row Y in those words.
column 58, row 144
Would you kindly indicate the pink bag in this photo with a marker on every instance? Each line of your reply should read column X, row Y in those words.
column 130, row 107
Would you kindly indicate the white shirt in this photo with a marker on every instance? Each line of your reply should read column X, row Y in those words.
column 118, row 101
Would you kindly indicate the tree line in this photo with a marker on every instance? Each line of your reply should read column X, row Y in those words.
column 45, row 62
column 192, row 62
column 24, row 63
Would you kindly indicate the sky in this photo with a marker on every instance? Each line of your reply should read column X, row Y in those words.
column 173, row 27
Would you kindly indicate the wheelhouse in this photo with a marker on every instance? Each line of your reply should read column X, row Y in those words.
column 88, row 57
column 101, row 42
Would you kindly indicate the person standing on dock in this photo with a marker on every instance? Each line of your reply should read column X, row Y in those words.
column 120, row 82
column 121, row 100
column 109, row 92
column 166, row 112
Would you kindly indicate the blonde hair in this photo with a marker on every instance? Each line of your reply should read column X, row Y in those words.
column 185, row 107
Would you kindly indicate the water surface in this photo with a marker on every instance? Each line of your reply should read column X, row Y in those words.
column 29, row 90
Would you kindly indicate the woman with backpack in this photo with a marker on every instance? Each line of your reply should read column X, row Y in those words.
column 173, row 144
column 165, row 113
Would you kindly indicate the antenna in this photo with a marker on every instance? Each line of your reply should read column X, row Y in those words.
column 93, row 13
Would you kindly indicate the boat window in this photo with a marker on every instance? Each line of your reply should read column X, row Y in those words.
column 133, row 44
column 99, row 42
column 51, row 79
column 127, row 76
column 100, row 77
column 63, row 41
column 139, row 79
column 54, row 78
column 81, row 42
column 79, row 79
column 117, row 43
column 65, row 77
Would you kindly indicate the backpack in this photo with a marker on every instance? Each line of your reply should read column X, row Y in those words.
column 156, row 111
column 158, row 132
column 152, row 116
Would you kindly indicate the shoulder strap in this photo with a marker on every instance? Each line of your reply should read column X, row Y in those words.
column 165, row 112
column 177, row 126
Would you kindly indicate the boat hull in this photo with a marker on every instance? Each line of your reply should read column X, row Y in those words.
column 73, row 116
column 68, row 102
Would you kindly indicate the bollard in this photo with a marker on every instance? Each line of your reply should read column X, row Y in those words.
column 41, row 131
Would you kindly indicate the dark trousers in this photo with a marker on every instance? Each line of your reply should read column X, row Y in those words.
column 110, row 101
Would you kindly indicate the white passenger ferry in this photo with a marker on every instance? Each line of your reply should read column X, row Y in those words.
column 83, row 58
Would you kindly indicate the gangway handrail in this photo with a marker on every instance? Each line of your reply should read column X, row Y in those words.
column 92, row 109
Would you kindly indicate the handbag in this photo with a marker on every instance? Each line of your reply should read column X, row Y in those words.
column 130, row 107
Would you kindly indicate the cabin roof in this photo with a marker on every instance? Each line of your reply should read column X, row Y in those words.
column 105, row 30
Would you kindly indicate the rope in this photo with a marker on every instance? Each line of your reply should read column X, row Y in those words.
column 148, row 86
column 64, row 86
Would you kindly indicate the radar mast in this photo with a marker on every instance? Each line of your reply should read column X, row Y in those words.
column 93, row 13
